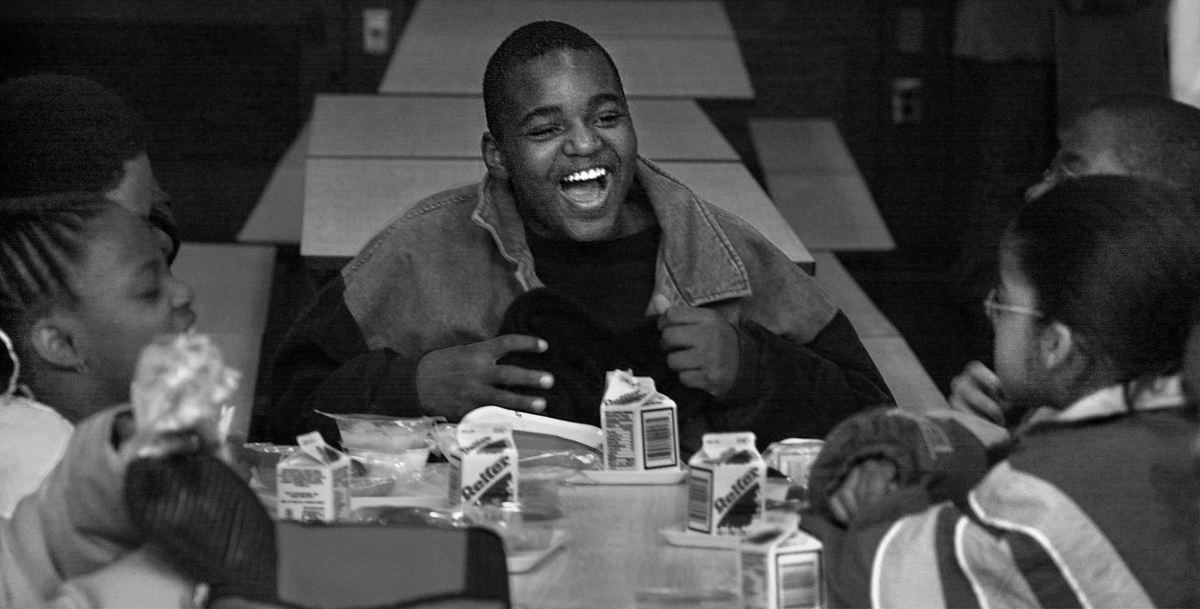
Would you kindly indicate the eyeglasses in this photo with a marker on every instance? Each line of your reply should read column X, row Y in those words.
column 992, row 308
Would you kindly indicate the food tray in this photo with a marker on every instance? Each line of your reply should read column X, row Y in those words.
column 676, row 535
column 520, row 562
column 428, row 501
column 648, row 477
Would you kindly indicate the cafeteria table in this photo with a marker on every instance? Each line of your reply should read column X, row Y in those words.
column 650, row 67
column 664, row 49
column 438, row 126
column 231, row 284
column 628, row 18
column 817, row 185
column 441, row 128
column 614, row 554
column 608, row 551
column 347, row 200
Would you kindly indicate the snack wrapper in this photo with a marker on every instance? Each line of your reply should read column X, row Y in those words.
column 181, row 384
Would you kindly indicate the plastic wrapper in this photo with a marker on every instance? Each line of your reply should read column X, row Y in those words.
column 261, row 458
column 543, row 468
column 388, row 447
column 178, row 397
column 180, row 387
column 567, row 457
column 379, row 433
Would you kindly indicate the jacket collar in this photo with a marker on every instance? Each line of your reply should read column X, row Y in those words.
column 696, row 254
column 1162, row 392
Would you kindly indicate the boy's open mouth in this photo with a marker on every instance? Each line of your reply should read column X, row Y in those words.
column 586, row 188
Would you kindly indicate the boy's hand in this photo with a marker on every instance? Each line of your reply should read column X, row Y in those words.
column 702, row 348
column 977, row 391
column 456, row 380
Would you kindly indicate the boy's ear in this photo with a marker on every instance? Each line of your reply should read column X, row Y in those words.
column 54, row 342
column 493, row 157
column 1056, row 345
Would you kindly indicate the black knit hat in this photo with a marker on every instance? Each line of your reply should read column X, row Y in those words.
column 64, row 133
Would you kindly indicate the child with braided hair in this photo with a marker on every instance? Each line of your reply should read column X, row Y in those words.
column 143, row 505
column 83, row 287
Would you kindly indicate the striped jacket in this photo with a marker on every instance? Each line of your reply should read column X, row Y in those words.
column 1096, row 507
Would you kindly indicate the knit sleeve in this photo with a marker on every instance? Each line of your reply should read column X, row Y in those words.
column 784, row 389
column 324, row 364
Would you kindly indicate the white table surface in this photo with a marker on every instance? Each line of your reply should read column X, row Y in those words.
column 787, row 146
column 615, row 551
column 431, row 127
column 817, row 185
column 348, row 200
column 831, row 212
column 232, row 286
column 279, row 213
column 911, row 386
column 454, row 62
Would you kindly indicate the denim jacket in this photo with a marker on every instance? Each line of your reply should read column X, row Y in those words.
column 445, row 272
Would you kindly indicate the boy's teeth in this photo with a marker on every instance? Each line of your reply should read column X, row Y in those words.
column 587, row 174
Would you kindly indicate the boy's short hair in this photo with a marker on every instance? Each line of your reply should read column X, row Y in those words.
column 64, row 134
column 1156, row 137
column 528, row 42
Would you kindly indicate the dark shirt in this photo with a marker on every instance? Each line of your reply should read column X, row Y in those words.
column 613, row 280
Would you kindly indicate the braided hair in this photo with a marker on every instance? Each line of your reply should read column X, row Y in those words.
column 41, row 239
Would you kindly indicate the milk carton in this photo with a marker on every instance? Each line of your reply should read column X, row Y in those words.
column 485, row 471
column 781, row 567
column 313, row 483
column 639, row 424
column 725, row 481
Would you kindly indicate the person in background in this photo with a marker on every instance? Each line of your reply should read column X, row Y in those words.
column 419, row 322
column 70, row 134
column 83, row 287
column 1093, row 503
column 1132, row 134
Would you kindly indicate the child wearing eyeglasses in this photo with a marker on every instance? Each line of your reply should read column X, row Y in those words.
column 1093, row 502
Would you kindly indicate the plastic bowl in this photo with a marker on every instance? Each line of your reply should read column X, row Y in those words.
column 393, row 465
column 510, row 520
column 262, row 458
column 377, row 433
column 539, row 492
column 370, row 486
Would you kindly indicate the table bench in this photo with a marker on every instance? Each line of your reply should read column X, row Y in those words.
column 817, row 185
column 232, row 285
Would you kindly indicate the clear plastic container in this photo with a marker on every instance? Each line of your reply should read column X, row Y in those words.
column 378, row 433
column 262, row 457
